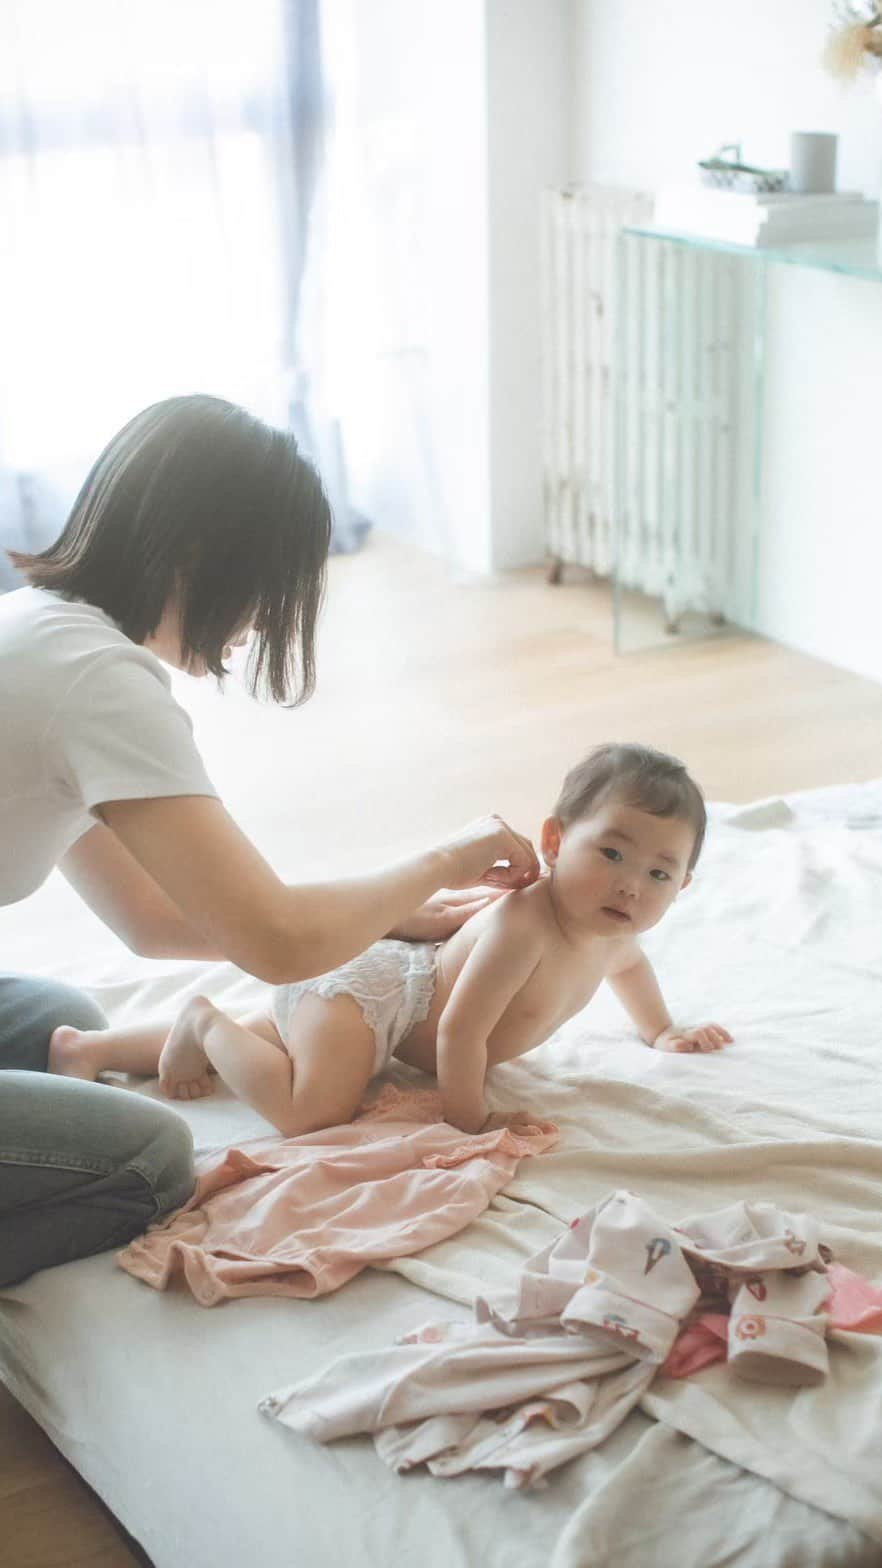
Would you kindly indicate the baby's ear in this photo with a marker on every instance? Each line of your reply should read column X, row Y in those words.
column 686, row 880
column 549, row 841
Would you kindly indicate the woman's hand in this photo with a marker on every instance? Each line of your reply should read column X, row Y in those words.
column 440, row 916
column 474, row 856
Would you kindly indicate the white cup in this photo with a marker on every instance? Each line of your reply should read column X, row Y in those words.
column 813, row 161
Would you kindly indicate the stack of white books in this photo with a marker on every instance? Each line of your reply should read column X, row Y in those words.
column 766, row 218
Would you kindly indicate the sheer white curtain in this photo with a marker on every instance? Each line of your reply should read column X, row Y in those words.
column 157, row 167
column 373, row 305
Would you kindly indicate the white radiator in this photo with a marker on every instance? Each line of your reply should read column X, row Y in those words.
column 639, row 402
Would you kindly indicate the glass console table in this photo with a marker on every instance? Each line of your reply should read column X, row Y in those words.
column 690, row 359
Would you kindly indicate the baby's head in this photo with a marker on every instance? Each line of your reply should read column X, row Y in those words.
column 624, row 838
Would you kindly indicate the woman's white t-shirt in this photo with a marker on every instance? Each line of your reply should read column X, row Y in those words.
column 86, row 716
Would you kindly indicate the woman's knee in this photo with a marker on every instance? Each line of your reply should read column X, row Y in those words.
column 172, row 1170
column 67, row 1005
column 31, row 1009
column 85, row 1168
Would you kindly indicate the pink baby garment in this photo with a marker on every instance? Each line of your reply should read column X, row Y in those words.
column 302, row 1216
column 850, row 1302
column 854, row 1303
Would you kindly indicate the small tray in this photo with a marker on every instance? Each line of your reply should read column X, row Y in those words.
column 724, row 173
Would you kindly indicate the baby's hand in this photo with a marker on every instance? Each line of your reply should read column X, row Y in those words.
column 707, row 1037
column 515, row 1121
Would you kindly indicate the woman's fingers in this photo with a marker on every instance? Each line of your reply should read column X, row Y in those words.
column 470, row 897
column 444, row 913
column 528, row 861
column 463, row 911
column 475, row 853
column 441, row 922
column 522, row 866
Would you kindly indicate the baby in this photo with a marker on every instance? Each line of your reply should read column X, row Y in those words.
column 622, row 842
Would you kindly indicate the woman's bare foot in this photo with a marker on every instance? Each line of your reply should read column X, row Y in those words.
column 71, row 1053
column 185, row 1072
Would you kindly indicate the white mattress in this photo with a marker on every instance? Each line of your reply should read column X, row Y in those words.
column 154, row 1399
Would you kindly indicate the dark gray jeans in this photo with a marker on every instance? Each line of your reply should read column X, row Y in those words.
column 83, row 1167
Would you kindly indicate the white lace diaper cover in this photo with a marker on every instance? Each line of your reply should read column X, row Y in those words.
column 393, row 984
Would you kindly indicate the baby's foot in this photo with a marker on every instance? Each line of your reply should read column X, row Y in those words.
column 72, row 1053
column 185, row 1072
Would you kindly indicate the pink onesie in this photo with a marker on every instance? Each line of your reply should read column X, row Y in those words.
column 301, row 1216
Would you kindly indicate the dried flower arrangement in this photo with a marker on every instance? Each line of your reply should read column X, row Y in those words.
column 855, row 43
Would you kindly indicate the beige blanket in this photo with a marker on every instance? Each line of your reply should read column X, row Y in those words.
column 779, row 938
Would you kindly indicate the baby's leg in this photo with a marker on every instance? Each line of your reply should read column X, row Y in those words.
column 183, row 1064
column 320, row 1084
column 171, row 1050
column 84, row 1053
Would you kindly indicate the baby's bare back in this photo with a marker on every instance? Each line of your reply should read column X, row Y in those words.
column 562, row 981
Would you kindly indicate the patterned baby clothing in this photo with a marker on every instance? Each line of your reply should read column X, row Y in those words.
column 548, row 1369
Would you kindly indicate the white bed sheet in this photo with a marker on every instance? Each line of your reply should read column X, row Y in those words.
column 154, row 1399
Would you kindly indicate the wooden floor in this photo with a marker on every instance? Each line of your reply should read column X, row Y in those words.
column 476, row 695
column 48, row 1517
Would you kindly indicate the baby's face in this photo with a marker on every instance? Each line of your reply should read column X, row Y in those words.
column 619, row 871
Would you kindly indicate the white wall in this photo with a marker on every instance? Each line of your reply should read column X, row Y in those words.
column 656, row 87
column 820, row 579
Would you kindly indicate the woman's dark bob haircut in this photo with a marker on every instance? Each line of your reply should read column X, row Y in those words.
column 196, row 498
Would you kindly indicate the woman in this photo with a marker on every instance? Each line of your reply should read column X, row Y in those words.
column 197, row 527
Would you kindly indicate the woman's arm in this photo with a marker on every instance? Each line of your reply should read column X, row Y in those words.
column 232, row 904
column 109, row 879
column 444, row 913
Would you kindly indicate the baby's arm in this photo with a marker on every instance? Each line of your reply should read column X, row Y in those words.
column 499, row 965
column 632, row 977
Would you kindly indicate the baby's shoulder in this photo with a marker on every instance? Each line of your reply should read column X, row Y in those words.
column 518, row 917
column 515, row 913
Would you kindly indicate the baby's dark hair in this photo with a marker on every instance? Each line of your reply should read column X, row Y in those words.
column 637, row 776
